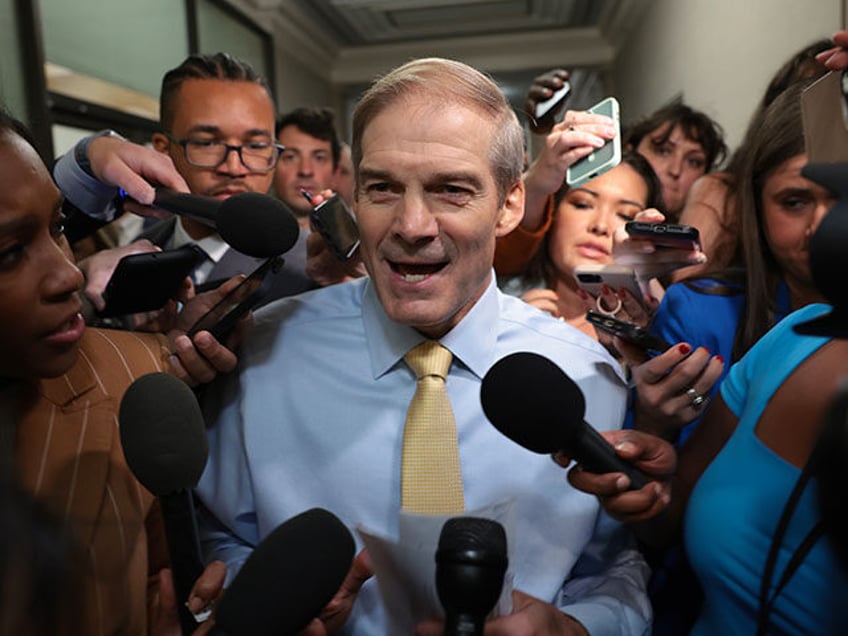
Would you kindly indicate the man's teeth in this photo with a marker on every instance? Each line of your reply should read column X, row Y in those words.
column 414, row 278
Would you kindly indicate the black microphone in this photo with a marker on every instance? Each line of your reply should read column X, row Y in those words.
column 252, row 223
column 164, row 442
column 471, row 563
column 534, row 403
column 288, row 579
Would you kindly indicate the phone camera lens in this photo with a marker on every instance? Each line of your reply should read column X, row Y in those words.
column 589, row 278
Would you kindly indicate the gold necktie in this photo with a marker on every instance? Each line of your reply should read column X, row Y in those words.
column 431, row 479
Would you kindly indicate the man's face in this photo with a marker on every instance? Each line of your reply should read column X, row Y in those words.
column 306, row 164
column 232, row 112
column 428, row 213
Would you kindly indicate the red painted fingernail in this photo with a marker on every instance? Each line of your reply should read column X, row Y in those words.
column 684, row 348
column 605, row 289
column 720, row 359
column 582, row 294
column 622, row 293
column 707, row 350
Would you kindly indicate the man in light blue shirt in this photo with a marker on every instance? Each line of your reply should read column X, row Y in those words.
column 316, row 415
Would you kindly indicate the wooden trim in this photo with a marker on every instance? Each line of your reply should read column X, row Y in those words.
column 35, row 86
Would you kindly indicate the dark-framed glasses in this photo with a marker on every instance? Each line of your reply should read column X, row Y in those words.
column 256, row 156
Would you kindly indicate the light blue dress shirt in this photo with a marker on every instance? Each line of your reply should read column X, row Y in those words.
column 315, row 417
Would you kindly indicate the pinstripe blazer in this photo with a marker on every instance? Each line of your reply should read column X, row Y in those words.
column 68, row 453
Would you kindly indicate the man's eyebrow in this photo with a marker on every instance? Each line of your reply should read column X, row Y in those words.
column 368, row 173
column 463, row 177
column 215, row 130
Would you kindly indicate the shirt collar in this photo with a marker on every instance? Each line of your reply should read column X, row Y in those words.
column 472, row 341
column 213, row 245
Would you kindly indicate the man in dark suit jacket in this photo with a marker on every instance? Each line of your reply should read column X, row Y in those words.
column 217, row 119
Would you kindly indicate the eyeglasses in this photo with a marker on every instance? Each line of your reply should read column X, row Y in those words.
column 257, row 156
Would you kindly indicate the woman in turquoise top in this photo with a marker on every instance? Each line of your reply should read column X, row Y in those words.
column 717, row 320
column 735, row 506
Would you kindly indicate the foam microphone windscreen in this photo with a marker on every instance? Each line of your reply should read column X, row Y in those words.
column 530, row 400
column 257, row 224
column 163, row 434
column 289, row 578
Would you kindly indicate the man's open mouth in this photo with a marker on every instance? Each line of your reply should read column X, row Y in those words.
column 416, row 272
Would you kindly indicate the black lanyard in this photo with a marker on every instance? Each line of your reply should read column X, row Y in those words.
column 798, row 556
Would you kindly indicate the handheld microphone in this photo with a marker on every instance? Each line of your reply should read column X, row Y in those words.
column 252, row 223
column 534, row 403
column 471, row 563
column 288, row 579
column 164, row 441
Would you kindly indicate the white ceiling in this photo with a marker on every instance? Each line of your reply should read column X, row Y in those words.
column 349, row 42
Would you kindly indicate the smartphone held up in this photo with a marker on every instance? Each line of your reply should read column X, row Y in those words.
column 335, row 222
column 602, row 159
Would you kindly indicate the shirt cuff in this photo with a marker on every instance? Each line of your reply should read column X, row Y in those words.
column 600, row 620
column 95, row 198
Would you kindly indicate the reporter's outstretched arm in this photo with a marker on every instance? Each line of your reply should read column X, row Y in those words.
column 114, row 163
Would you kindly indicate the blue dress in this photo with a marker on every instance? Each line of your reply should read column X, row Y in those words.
column 695, row 313
column 735, row 506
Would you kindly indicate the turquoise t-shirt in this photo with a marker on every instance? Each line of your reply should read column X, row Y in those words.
column 736, row 504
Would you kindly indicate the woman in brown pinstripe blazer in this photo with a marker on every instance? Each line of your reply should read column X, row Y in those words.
column 60, row 391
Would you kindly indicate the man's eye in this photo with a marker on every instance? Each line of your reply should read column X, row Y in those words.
column 204, row 143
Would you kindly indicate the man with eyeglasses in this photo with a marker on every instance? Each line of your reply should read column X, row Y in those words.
column 217, row 120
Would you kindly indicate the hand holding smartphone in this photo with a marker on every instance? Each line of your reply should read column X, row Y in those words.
column 591, row 278
column 334, row 221
column 602, row 159
column 145, row 282
column 682, row 237
column 222, row 318
column 554, row 102
column 631, row 332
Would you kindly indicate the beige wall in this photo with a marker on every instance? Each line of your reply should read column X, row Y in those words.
column 720, row 54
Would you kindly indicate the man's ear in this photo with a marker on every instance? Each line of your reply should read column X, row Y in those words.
column 512, row 210
column 160, row 142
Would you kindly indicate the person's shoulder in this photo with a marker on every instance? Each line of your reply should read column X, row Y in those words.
column 712, row 182
column 343, row 300
column 538, row 330
column 123, row 344
column 705, row 289
column 116, row 358
column 784, row 331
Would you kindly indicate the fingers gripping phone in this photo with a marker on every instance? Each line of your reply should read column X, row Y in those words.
column 604, row 158
column 145, row 282
column 334, row 221
column 629, row 331
column 684, row 237
column 222, row 318
column 553, row 102
column 591, row 278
